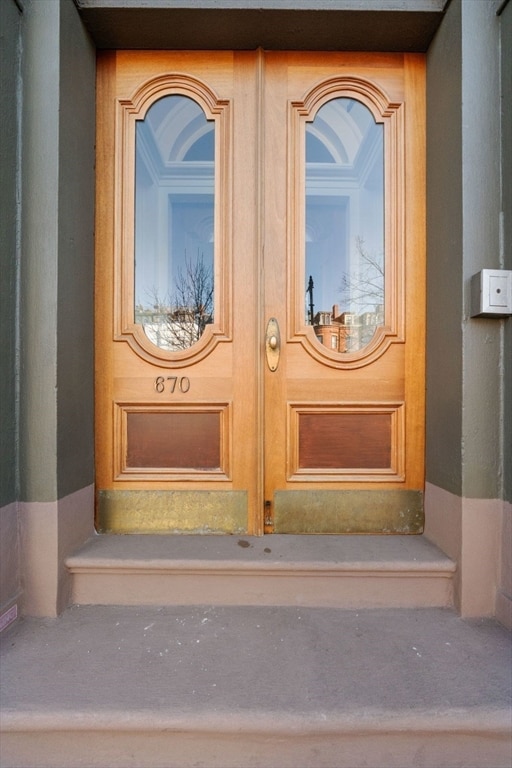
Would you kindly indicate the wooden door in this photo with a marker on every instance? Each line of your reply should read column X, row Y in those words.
column 344, row 430
column 254, row 424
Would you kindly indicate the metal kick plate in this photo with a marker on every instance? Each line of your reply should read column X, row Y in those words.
column 143, row 511
column 351, row 511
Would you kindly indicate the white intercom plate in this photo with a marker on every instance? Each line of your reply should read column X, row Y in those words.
column 491, row 293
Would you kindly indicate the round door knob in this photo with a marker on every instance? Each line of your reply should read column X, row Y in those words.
column 272, row 342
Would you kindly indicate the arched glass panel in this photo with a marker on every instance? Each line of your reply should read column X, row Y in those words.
column 344, row 280
column 174, row 222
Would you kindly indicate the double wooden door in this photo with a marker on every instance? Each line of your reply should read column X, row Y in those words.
column 260, row 292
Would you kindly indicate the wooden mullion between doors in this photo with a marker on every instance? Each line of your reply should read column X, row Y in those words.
column 415, row 280
column 259, row 521
column 247, row 294
column 275, row 209
column 105, row 174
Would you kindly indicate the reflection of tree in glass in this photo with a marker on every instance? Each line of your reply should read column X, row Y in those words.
column 179, row 322
column 363, row 289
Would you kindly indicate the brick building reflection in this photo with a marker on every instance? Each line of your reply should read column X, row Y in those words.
column 347, row 331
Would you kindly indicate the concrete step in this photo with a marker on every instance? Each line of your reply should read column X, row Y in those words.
column 321, row 571
column 259, row 686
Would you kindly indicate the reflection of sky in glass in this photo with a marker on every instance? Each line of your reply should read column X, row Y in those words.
column 345, row 207
column 174, row 198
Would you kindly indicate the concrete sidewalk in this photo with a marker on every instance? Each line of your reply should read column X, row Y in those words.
column 256, row 686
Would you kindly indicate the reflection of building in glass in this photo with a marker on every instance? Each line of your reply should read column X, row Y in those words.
column 344, row 227
column 347, row 331
column 170, row 328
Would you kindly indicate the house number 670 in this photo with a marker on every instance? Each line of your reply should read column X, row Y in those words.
column 170, row 383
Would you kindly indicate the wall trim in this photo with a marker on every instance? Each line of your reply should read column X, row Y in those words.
column 49, row 532
column 504, row 592
column 504, row 609
column 377, row 25
column 470, row 531
column 10, row 582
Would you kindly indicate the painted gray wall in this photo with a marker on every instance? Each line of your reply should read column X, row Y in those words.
column 10, row 84
column 56, row 409
column 465, row 405
column 482, row 338
column 506, row 248
column 444, row 255
column 75, row 293
column 10, row 96
column 38, row 376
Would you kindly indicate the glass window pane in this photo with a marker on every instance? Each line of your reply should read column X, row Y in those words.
column 174, row 222
column 344, row 278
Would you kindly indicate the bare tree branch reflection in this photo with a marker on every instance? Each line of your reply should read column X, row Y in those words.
column 179, row 322
column 363, row 289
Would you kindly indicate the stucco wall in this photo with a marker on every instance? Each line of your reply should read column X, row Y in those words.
column 38, row 405
column 465, row 405
column 10, row 89
column 482, row 458
column 444, row 255
column 10, row 27
column 468, row 360
column 57, row 257
column 56, row 430
column 504, row 594
column 75, row 297
column 506, row 244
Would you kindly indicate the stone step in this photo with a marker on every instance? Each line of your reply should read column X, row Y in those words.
column 259, row 686
column 321, row 571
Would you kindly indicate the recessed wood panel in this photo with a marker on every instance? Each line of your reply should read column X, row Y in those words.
column 344, row 440
column 175, row 440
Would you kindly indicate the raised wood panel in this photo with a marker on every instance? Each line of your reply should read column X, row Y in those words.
column 177, row 440
column 172, row 442
column 346, row 443
column 345, row 440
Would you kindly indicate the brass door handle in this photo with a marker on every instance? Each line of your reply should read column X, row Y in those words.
column 272, row 343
